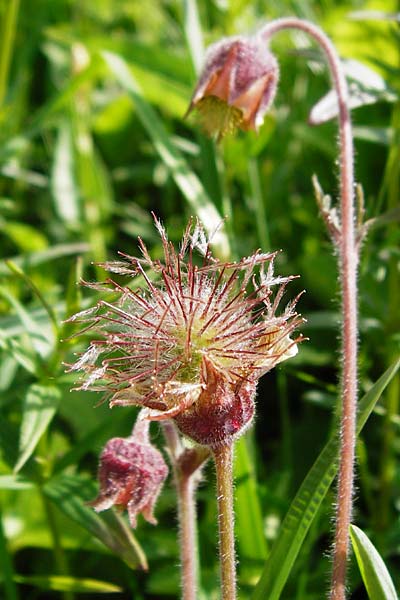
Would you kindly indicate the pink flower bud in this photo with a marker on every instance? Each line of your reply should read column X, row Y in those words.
column 131, row 474
column 237, row 85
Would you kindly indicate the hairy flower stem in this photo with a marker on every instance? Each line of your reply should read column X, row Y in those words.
column 186, row 475
column 186, row 488
column 348, row 259
column 223, row 457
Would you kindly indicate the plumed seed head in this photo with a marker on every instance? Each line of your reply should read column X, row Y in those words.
column 194, row 339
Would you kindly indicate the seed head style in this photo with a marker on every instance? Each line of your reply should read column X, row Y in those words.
column 193, row 342
column 237, row 85
column 131, row 474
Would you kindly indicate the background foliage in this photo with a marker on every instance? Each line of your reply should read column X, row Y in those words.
column 87, row 151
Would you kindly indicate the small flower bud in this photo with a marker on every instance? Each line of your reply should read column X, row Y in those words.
column 237, row 85
column 131, row 474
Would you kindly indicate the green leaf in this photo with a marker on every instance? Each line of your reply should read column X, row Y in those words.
column 14, row 482
column 39, row 408
column 64, row 583
column 70, row 493
column 63, row 181
column 193, row 33
column 26, row 237
column 373, row 570
column 184, row 177
column 249, row 523
column 39, row 339
column 7, row 571
column 24, row 355
column 367, row 87
column 35, row 259
column 307, row 501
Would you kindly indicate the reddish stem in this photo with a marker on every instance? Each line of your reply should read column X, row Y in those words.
column 187, row 464
column 348, row 259
column 223, row 457
column 186, row 488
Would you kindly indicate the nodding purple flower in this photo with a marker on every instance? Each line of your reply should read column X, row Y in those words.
column 237, row 85
column 192, row 342
column 131, row 474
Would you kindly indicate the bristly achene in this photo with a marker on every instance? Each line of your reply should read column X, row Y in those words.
column 192, row 345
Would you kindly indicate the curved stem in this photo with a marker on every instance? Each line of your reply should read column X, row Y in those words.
column 348, row 259
column 223, row 457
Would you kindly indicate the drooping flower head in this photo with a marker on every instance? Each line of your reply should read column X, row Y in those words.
column 192, row 342
column 237, row 85
column 131, row 474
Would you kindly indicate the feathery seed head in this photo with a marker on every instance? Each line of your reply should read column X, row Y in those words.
column 192, row 345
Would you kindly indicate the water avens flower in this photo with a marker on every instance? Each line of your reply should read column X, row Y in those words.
column 131, row 474
column 191, row 344
column 237, row 85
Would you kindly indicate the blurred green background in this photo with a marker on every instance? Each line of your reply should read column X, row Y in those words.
column 92, row 138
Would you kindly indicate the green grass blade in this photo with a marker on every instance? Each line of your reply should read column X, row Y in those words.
column 7, row 574
column 373, row 570
column 249, row 524
column 64, row 187
column 16, row 270
column 308, row 500
column 193, row 33
column 36, row 338
column 39, row 408
column 9, row 29
column 184, row 177
column 259, row 204
column 61, row 583
column 14, row 482
column 70, row 493
column 35, row 259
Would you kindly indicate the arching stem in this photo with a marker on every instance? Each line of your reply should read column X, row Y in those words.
column 348, row 259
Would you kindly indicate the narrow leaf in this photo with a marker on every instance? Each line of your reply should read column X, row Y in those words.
column 193, row 33
column 7, row 572
column 63, row 181
column 367, row 87
column 34, row 259
column 39, row 339
column 373, row 570
column 308, row 500
column 14, row 482
column 39, row 408
column 70, row 493
column 249, row 523
column 63, row 583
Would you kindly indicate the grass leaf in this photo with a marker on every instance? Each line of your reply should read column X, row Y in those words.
column 39, row 408
column 249, row 523
column 307, row 501
column 70, row 493
column 14, row 482
column 373, row 570
column 63, row 583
